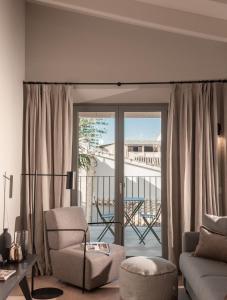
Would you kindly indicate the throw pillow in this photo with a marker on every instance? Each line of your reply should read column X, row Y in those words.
column 211, row 245
column 215, row 223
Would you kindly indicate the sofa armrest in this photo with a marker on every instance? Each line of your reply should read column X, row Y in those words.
column 190, row 241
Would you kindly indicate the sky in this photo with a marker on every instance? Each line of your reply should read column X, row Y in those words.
column 135, row 129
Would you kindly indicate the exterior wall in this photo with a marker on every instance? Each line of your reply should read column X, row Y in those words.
column 105, row 167
column 140, row 181
column 12, row 73
column 148, row 158
column 98, row 185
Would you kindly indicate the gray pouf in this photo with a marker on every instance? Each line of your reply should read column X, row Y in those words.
column 143, row 278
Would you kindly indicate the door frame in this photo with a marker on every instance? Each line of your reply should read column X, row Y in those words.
column 119, row 109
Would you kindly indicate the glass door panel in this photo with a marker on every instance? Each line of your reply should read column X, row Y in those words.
column 142, row 183
column 120, row 177
column 96, row 172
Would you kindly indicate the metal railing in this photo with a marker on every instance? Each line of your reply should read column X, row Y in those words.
column 151, row 159
column 100, row 190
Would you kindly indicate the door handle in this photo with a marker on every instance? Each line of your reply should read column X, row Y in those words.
column 121, row 188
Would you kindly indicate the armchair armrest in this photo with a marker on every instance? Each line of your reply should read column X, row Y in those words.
column 190, row 241
column 84, row 251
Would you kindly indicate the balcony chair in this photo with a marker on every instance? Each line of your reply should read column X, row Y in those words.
column 107, row 219
column 150, row 220
column 66, row 230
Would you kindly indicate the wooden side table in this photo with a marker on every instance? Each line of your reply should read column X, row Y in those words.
column 20, row 277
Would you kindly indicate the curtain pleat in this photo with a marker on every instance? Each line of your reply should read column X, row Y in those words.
column 192, row 161
column 47, row 149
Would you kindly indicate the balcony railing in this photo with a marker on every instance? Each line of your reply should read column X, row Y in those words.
column 93, row 190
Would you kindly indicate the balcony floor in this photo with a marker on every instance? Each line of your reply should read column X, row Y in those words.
column 132, row 245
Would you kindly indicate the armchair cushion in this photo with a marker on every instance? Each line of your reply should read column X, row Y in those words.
column 65, row 218
column 67, row 265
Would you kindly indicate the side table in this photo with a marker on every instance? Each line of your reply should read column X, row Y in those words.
column 20, row 277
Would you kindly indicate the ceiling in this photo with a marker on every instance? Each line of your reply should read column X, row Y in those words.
column 199, row 18
column 123, row 94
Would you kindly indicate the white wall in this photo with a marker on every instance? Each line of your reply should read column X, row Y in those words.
column 12, row 73
column 66, row 46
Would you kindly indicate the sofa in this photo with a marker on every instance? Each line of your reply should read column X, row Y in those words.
column 204, row 279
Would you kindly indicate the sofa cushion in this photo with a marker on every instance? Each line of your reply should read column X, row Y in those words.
column 67, row 265
column 215, row 223
column 190, row 241
column 213, row 287
column 212, row 245
column 196, row 268
column 65, row 218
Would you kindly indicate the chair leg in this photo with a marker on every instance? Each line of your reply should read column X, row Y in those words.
column 149, row 228
column 146, row 230
column 155, row 234
column 102, row 234
column 84, row 265
column 108, row 227
column 144, row 235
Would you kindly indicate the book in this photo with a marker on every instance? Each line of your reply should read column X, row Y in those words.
column 98, row 247
column 5, row 274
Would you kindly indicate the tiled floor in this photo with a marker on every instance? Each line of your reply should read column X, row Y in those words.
column 108, row 292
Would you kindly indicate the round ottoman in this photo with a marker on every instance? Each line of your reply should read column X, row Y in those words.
column 143, row 278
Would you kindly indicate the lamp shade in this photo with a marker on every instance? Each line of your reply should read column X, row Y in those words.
column 70, row 182
column 10, row 186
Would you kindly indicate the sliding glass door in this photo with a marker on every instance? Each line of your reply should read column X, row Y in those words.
column 119, row 156
column 142, row 183
column 96, row 172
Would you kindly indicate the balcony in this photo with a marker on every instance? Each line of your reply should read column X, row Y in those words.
column 96, row 196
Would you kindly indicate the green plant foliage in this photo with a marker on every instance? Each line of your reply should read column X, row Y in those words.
column 91, row 131
column 84, row 161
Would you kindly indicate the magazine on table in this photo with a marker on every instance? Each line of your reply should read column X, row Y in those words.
column 98, row 247
column 5, row 274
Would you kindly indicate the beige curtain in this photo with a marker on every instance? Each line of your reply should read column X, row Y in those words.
column 47, row 149
column 223, row 146
column 192, row 160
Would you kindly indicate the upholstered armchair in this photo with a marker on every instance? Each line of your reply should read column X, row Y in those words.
column 66, row 230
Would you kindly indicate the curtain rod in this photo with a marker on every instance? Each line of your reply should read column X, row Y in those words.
column 119, row 83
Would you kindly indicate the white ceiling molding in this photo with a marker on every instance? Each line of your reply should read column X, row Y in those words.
column 210, row 8
column 221, row 1
column 175, row 17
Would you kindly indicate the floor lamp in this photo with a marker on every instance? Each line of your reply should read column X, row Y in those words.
column 48, row 292
column 10, row 179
